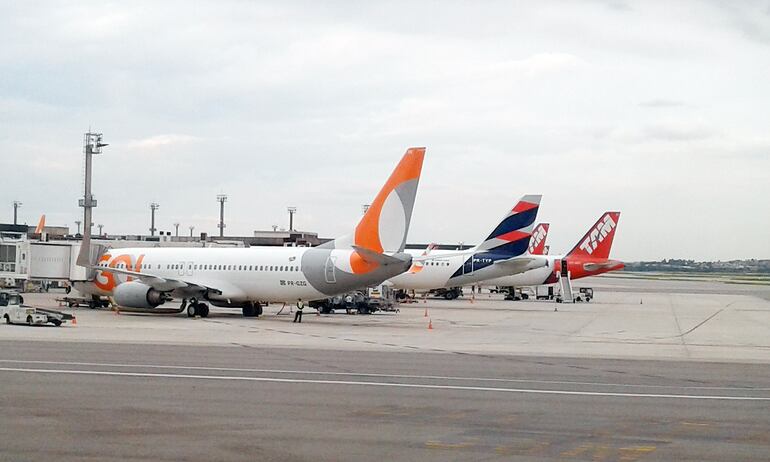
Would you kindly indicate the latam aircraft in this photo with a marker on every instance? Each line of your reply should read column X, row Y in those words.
column 244, row 277
column 589, row 257
column 503, row 252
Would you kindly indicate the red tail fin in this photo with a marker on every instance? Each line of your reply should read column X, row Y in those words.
column 598, row 240
column 537, row 241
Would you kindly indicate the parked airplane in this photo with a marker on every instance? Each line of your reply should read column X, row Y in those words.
column 502, row 253
column 244, row 277
column 589, row 257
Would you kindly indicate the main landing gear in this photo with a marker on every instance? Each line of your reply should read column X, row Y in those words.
column 252, row 310
column 195, row 308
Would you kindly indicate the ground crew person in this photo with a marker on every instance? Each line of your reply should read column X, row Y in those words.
column 298, row 315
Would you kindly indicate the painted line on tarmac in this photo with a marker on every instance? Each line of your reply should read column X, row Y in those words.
column 384, row 384
column 375, row 375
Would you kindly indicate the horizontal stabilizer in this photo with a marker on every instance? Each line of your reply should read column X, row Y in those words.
column 459, row 253
column 521, row 264
column 376, row 258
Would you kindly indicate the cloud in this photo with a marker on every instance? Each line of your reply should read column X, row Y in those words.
column 679, row 132
column 162, row 141
column 661, row 103
column 593, row 104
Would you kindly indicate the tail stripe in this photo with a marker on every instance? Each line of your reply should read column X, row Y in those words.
column 517, row 221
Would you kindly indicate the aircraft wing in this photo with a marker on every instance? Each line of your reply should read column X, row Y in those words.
column 163, row 284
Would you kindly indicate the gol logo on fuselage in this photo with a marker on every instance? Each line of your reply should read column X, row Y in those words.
column 106, row 280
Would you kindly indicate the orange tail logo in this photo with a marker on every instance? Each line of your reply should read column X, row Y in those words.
column 386, row 222
column 40, row 225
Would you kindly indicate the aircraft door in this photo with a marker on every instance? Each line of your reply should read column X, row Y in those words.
column 329, row 270
column 181, row 266
column 189, row 271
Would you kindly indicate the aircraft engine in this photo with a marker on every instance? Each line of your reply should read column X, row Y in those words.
column 138, row 295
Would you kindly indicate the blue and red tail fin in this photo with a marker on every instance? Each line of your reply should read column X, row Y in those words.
column 537, row 241
column 597, row 242
column 511, row 236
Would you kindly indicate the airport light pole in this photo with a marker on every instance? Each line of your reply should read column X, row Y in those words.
column 176, row 229
column 153, row 207
column 78, row 222
column 16, row 205
column 92, row 145
column 100, row 229
column 192, row 228
column 292, row 211
column 221, row 198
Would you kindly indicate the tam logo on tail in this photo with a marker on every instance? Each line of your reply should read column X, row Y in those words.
column 537, row 241
column 597, row 234
column 598, row 240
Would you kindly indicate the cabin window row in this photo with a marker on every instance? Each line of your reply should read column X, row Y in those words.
column 207, row 267
column 437, row 263
column 179, row 266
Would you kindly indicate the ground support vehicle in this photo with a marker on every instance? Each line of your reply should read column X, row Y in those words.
column 13, row 311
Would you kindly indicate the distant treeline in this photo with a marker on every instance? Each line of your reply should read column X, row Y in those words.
column 690, row 266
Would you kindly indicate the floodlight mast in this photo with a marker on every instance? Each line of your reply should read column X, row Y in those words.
column 92, row 144
column 153, row 207
column 292, row 210
column 16, row 205
column 221, row 198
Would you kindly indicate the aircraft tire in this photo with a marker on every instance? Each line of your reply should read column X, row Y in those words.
column 203, row 310
column 192, row 310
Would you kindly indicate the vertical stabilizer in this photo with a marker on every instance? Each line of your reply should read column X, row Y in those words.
column 597, row 242
column 539, row 236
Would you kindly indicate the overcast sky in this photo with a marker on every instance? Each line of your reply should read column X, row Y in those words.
column 656, row 109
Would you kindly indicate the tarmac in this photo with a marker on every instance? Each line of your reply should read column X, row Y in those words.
column 618, row 323
column 678, row 373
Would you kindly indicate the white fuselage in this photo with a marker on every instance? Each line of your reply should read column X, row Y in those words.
column 433, row 274
column 437, row 271
column 267, row 274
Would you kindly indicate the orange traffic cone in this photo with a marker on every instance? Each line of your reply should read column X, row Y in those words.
column 426, row 313
column 74, row 321
column 430, row 324
column 116, row 310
